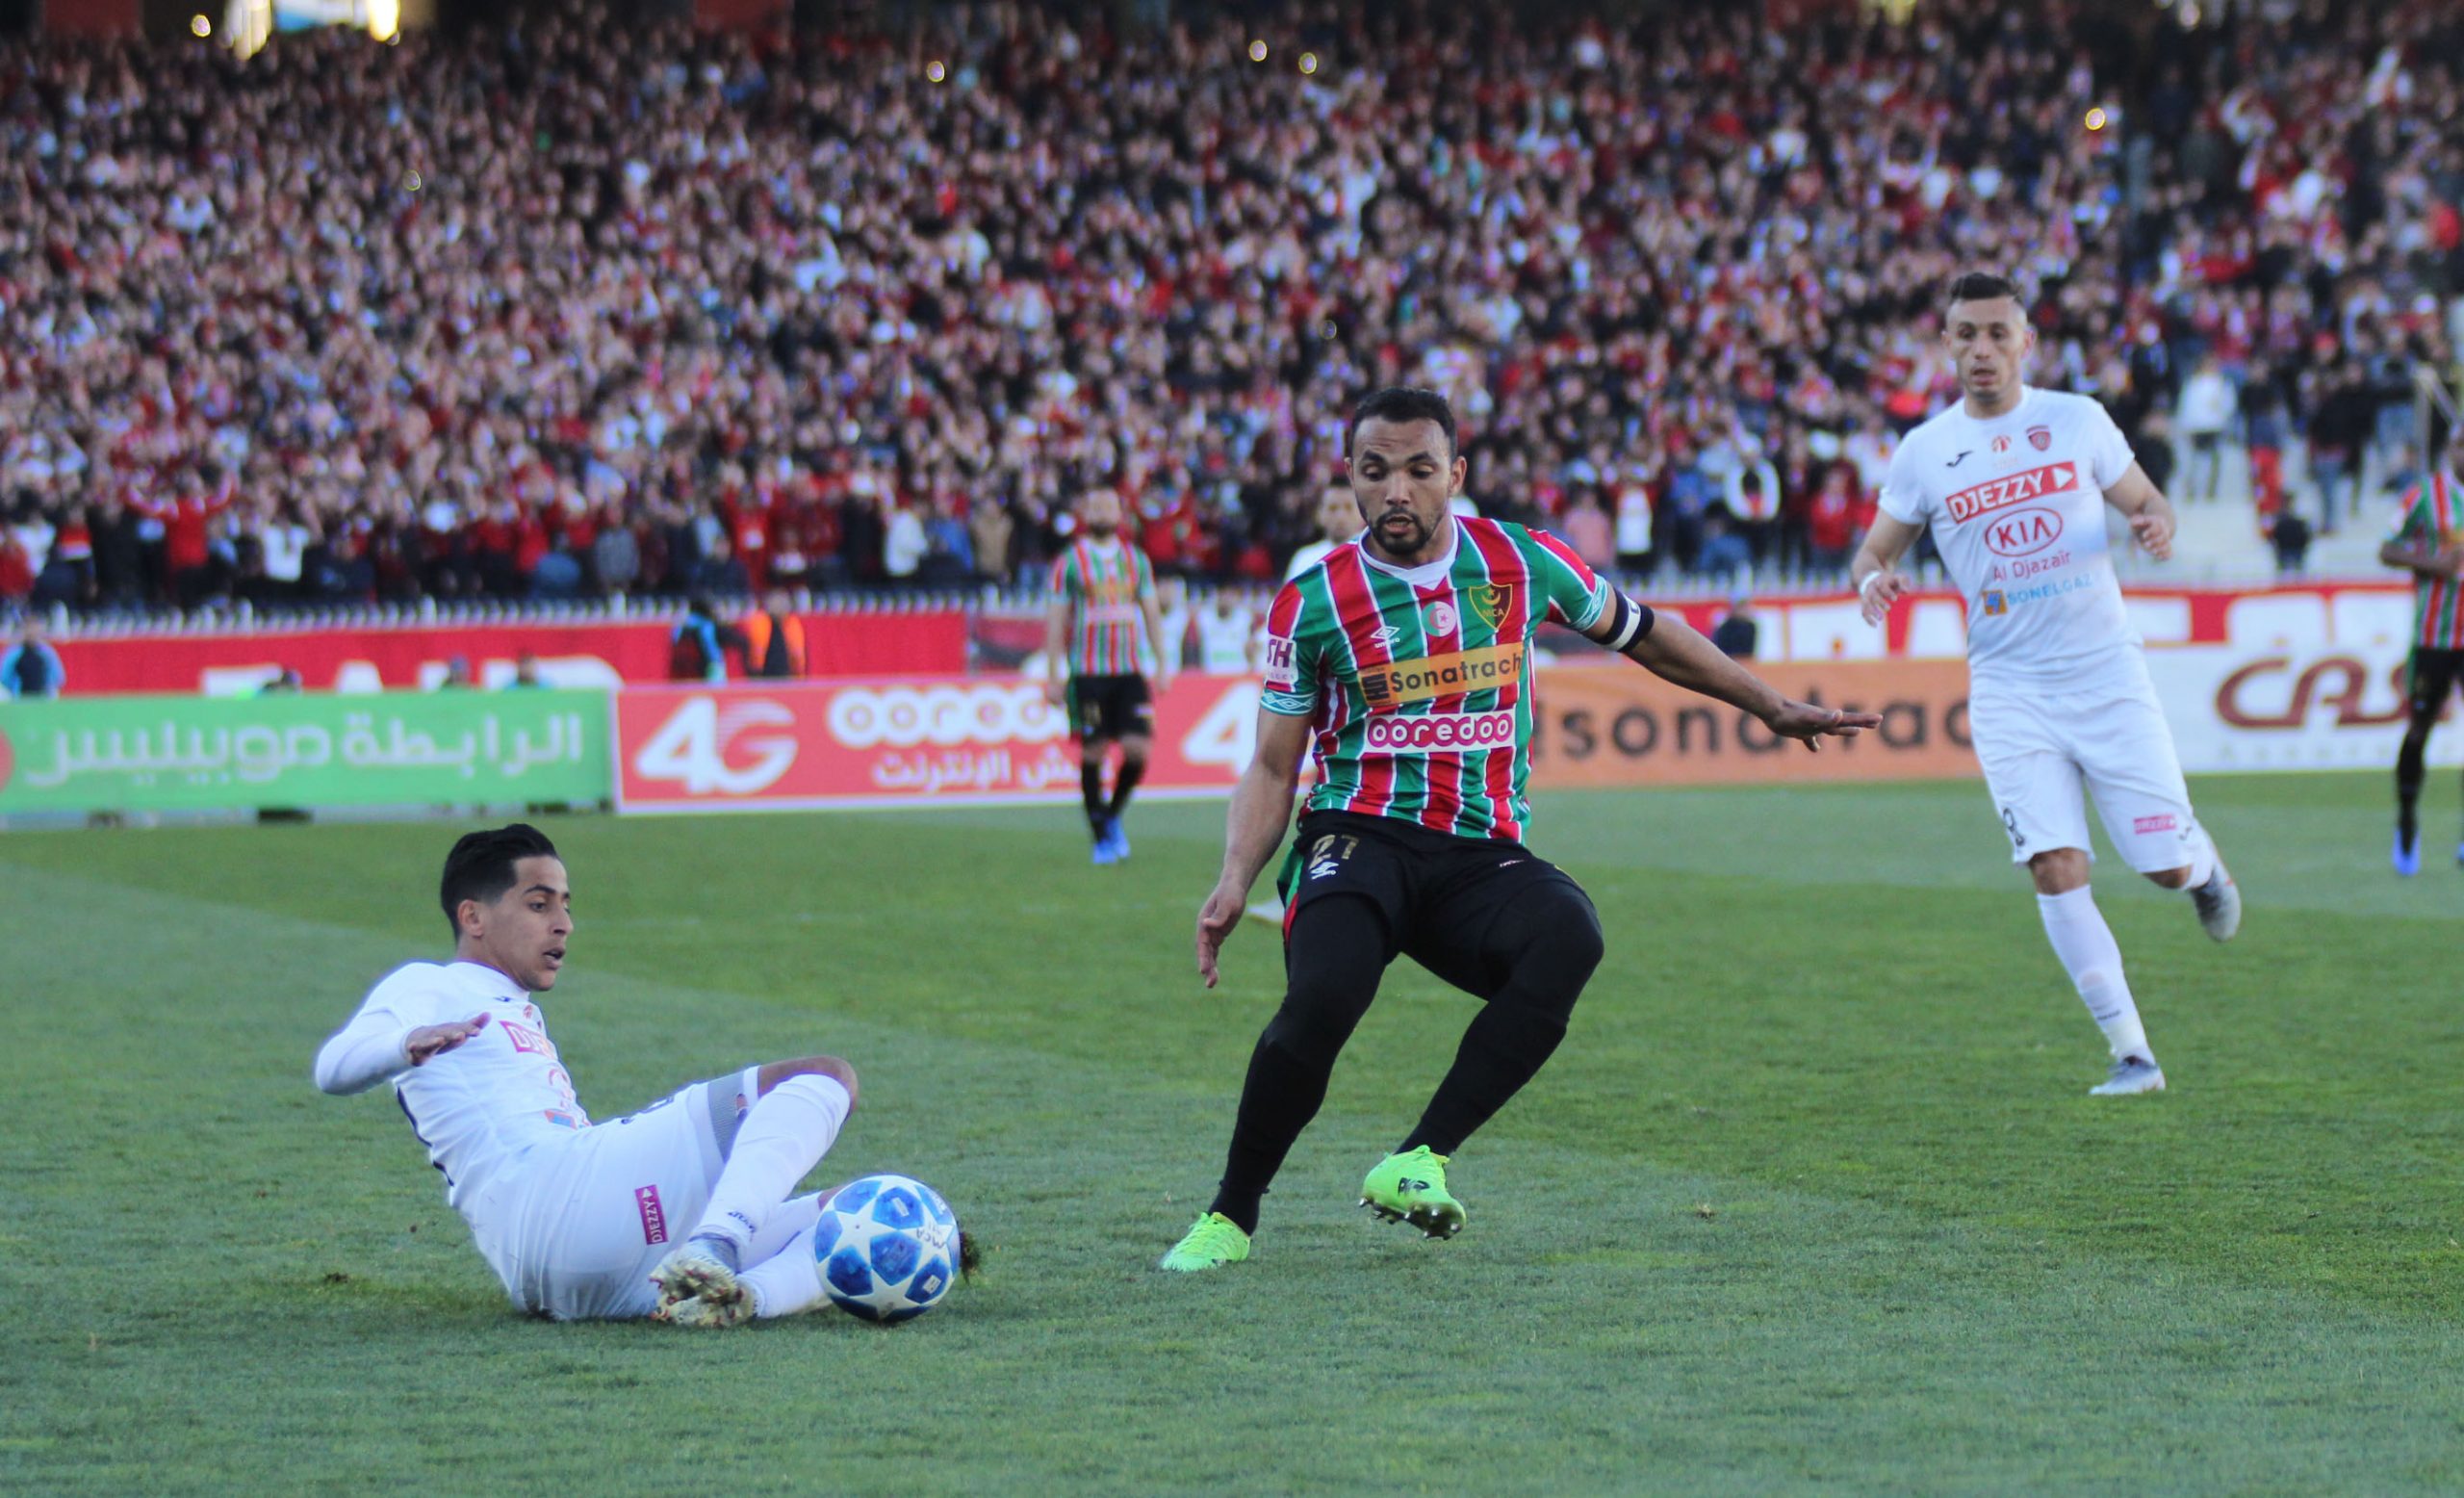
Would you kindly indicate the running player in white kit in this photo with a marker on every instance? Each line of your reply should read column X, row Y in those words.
column 680, row 1211
column 2014, row 483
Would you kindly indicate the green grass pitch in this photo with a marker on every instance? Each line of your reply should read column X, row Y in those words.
column 1812, row 1200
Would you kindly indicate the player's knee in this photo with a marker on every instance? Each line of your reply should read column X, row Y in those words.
column 1133, row 750
column 831, row 1067
column 2059, row 871
column 2169, row 878
column 1553, row 934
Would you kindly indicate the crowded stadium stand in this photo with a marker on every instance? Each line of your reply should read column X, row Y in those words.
column 551, row 309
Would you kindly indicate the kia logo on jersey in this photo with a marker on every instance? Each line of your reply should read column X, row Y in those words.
column 2024, row 532
column 2040, row 437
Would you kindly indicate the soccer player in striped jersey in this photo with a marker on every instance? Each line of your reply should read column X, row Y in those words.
column 1403, row 661
column 1103, row 600
column 2430, row 542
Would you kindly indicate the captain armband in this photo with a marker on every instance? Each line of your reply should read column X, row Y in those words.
column 1626, row 622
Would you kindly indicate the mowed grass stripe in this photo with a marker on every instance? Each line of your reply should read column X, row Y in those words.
column 1595, row 1332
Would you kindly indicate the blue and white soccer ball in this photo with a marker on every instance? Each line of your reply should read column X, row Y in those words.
column 888, row 1247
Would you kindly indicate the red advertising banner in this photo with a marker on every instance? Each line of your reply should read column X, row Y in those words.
column 903, row 741
column 571, row 655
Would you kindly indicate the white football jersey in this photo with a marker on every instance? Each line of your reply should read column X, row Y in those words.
column 2017, row 506
column 478, row 1106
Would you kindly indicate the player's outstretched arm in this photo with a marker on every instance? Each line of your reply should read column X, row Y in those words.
column 386, row 1039
column 2149, row 513
column 1874, row 572
column 1260, row 808
column 1674, row 651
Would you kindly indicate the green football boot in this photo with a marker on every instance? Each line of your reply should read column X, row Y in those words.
column 1411, row 1188
column 1216, row 1240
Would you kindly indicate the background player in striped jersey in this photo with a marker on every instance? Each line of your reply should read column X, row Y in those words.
column 2014, row 483
column 679, row 1211
column 1103, row 604
column 2429, row 540
column 1403, row 661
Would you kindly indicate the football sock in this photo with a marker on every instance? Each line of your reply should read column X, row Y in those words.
column 791, row 1126
column 2092, row 957
column 788, row 1278
column 1124, row 780
column 2203, row 864
column 2408, row 786
column 1551, row 940
column 1090, row 790
column 1338, row 951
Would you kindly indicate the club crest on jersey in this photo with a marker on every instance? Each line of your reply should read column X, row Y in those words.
column 2040, row 437
column 2001, row 444
column 1491, row 602
column 1440, row 617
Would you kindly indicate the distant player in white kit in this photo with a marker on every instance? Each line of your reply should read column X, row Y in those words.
column 680, row 1211
column 2014, row 483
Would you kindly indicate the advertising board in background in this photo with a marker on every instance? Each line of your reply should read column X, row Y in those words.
column 297, row 749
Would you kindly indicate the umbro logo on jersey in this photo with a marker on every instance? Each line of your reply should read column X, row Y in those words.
column 1383, row 636
column 1956, row 461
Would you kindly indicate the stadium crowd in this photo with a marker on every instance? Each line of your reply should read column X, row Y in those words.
column 561, row 308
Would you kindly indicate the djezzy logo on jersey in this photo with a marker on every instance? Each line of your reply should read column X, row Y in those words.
column 2028, row 483
column 1399, row 681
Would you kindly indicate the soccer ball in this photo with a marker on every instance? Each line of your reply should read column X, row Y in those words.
column 888, row 1247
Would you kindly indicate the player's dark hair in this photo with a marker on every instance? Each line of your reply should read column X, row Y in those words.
column 480, row 866
column 1406, row 403
column 1983, row 286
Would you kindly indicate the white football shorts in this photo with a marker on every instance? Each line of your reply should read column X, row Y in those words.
column 578, row 1225
column 2041, row 747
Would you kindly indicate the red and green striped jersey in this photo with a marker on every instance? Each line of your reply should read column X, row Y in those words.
column 1107, row 583
column 2432, row 515
column 1418, row 684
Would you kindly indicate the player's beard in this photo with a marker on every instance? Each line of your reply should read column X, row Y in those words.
column 1396, row 541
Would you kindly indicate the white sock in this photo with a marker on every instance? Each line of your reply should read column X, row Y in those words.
column 2203, row 864
column 790, row 1128
column 2092, row 957
column 788, row 1279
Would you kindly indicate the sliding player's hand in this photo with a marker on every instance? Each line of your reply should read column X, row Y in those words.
column 1809, row 725
column 1217, row 919
column 1881, row 591
column 431, row 1040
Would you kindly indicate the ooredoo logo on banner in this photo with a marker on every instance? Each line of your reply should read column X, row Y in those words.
column 897, row 741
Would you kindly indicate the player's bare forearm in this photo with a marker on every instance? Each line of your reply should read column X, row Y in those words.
column 1260, row 806
column 2422, row 558
column 1674, row 651
column 1874, row 572
column 1254, row 827
column 1056, row 626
